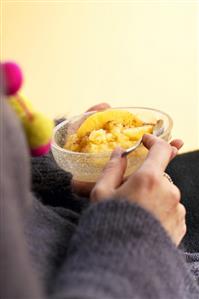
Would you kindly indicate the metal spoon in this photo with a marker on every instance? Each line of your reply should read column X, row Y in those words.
column 157, row 131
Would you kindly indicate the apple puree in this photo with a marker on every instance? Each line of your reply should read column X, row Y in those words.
column 103, row 131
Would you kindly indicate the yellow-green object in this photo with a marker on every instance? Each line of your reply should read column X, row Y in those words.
column 38, row 128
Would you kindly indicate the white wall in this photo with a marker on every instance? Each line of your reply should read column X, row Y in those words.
column 140, row 53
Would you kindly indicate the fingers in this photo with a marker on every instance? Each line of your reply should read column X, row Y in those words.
column 99, row 107
column 176, row 145
column 114, row 171
column 180, row 224
column 160, row 150
column 174, row 153
column 159, row 154
column 111, row 177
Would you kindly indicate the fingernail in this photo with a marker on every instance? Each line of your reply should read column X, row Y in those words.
column 146, row 137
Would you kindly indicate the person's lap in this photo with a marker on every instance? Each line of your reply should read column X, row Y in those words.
column 52, row 186
column 49, row 229
column 184, row 170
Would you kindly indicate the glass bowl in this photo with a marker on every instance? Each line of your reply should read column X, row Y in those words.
column 86, row 167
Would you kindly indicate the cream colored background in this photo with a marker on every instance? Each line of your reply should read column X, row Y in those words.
column 137, row 53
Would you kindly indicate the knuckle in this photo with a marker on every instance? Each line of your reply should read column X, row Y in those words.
column 175, row 194
column 184, row 229
column 145, row 181
column 162, row 144
column 166, row 145
column 150, row 179
column 181, row 211
column 138, row 178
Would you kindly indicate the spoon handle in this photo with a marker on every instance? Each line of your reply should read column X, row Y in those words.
column 131, row 149
column 157, row 132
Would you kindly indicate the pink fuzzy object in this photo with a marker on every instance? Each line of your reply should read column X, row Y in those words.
column 42, row 150
column 12, row 77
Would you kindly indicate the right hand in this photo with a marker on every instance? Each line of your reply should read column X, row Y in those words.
column 147, row 186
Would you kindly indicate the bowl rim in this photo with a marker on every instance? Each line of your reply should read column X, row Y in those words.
column 102, row 154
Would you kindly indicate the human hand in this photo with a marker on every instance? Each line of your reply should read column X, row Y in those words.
column 147, row 186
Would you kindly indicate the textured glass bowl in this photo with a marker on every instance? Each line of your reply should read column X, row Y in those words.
column 86, row 167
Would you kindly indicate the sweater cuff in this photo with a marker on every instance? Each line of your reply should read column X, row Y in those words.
column 119, row 217
column 119, row 247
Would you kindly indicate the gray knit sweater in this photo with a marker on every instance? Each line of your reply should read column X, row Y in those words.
column 108, row 250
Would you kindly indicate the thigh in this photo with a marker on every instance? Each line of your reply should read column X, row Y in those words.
column 184, row 170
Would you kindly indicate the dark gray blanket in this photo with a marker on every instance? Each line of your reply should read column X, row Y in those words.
column 52, row 186
column 74, row 250
column 184, row 170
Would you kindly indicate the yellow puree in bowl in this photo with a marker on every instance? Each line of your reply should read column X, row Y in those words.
column 110, row 134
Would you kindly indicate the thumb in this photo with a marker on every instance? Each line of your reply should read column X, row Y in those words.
column 112, row 175
column 99, row 107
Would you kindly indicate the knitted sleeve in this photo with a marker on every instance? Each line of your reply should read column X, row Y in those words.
column 52, row 185
column 120, row 251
